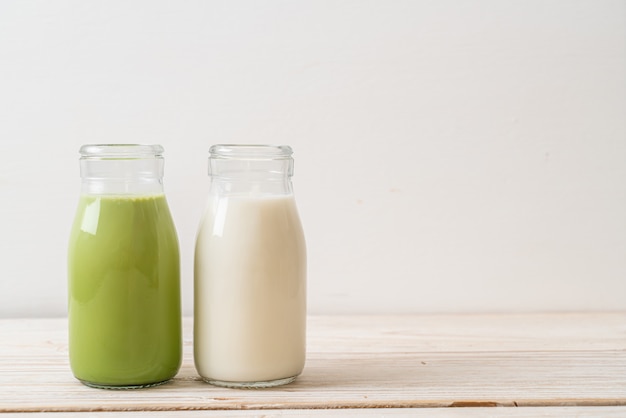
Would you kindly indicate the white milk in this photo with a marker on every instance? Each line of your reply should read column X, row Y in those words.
column 250, row 290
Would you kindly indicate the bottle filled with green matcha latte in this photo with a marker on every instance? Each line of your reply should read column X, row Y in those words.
column 123, row 271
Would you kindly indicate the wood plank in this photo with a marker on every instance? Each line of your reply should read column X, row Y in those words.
column 545, row 412
column 413, row 361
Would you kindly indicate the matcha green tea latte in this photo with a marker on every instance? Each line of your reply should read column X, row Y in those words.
column 124, row 291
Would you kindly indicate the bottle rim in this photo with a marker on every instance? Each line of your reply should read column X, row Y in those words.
column 120, row 151
column 250, row 152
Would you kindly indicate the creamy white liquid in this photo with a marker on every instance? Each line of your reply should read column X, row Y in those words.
column 250, row 290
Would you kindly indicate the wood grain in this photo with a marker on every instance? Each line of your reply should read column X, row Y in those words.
column 361, row 363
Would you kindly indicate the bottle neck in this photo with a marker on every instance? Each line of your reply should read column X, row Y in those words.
column 250, row 170
column 122, row 176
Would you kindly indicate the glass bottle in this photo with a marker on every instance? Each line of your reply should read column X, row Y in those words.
column 250, row 271
column 123, row 271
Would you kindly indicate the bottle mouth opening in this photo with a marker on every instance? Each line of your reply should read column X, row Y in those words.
column 250, row 152
column 120, row 151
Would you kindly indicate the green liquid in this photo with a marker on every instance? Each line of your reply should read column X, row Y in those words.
column 124, row 292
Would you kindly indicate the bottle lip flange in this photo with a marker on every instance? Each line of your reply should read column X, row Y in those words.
column 121, row 151
column 250, row 151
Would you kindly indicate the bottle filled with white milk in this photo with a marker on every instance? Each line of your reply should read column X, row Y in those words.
column 250, row 271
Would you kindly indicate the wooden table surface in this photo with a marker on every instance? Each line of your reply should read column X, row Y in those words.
column 413, row 365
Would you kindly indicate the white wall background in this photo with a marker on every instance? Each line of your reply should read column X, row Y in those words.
column 451, row 155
